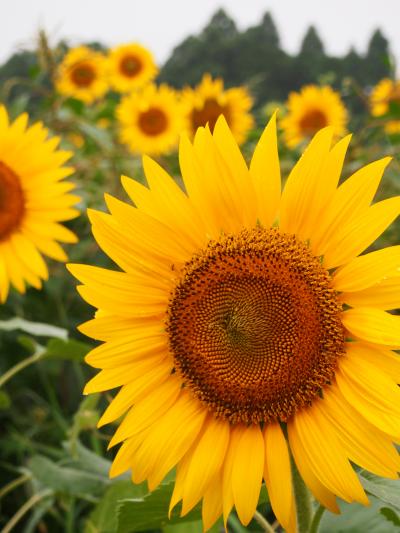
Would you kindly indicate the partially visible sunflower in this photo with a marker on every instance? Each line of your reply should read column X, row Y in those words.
column 244, row 324
column 151, row 120
column 82, row 75
column 206, row 102
column 34, row 199
column 383, row 94
column 310, row 110
column 130, row 66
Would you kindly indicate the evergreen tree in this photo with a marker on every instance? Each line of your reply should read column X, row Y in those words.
column 378, row 62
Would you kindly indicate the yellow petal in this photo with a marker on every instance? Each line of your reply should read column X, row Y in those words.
column 135, row 391
column 148, row 410
column 169, row 439
column 247, row 472
column 278, row 477
column 354, row 237
column 206, row 462
column 373, row 325
column 326, row 455
column 266, row 175
column 350, row 200
column 212, row 503
column 384, row 295
column 318, row 489
column 364, row 445
column 368, row 270
column 298, row 194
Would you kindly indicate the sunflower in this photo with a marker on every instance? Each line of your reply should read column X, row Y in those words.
column 83, row 75
column 33, row 200
column 310, row 110
column 244, row 326
column 206, row 102
column 130, row 66
column 151, row 120
column 384, row 93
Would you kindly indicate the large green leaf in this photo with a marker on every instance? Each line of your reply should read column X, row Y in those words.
column 355, row 518
column 386, row 490
column 66, row 480
column 67, row 349
column 151, row 511
column 193, row 527
column 33, row 328
column 85, row 459
column 104, row 517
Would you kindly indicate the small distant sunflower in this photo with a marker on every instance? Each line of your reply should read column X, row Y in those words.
column 34, row 199
column 310, row 110
column 383, row 94
column 83, row 75
column 244, row 326
column 206, row 102
column 151, row 120
column 130, row 66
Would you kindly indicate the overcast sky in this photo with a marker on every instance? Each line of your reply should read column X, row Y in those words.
column 162, row 24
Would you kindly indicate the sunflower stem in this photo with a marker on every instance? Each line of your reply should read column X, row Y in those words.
column 20, row 366
column 266, row 526
column 303, row 502
column 317, row 519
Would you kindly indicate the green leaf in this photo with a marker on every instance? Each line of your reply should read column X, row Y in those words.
column 355, row 518
column 390, row 515
column 67, row 349
column 151, row 511
column 104, row 517
column 85, row 459
column 33, row 328
column 66, row 480
column 193, row 527
column 386, row 490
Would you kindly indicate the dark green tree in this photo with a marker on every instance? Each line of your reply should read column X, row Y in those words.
column 378, row 62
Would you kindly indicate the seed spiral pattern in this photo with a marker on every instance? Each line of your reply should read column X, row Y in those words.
column 254, row 326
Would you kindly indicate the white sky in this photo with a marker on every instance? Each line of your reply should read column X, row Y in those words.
column 162, row 24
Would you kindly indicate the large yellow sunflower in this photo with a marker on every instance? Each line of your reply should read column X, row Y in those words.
column 310, row 110
column 206, row 102
column 130, row 66
column 383, row 94
column 151, row 120
column 243, row 325
column 83, row 74
column 33, row 202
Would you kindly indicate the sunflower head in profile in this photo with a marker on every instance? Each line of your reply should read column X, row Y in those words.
column 151, row 120
column 243, row 326
column 34, row 199
column 82, row 75
column 310, row 110
column 206, row 102
column 130, row 66
column 385, row 93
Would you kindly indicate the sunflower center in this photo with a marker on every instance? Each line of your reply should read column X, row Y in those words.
column 153, row 121
column 12, row 202
column 254, row 326
column 313, row 121
column 209, row 113
column 130, row 66
column 83, row 75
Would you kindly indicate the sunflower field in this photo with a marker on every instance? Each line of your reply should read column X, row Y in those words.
column 199, row 290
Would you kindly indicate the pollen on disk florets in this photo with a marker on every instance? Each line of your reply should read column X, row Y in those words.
column 254, row 326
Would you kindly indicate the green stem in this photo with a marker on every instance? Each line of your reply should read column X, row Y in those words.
column 303, row 502
column 20, row 366
column 36, row 498
column 14, row 484
column 266, row 526
column 317, row 519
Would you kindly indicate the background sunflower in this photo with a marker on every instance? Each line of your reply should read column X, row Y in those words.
column 130, row 66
